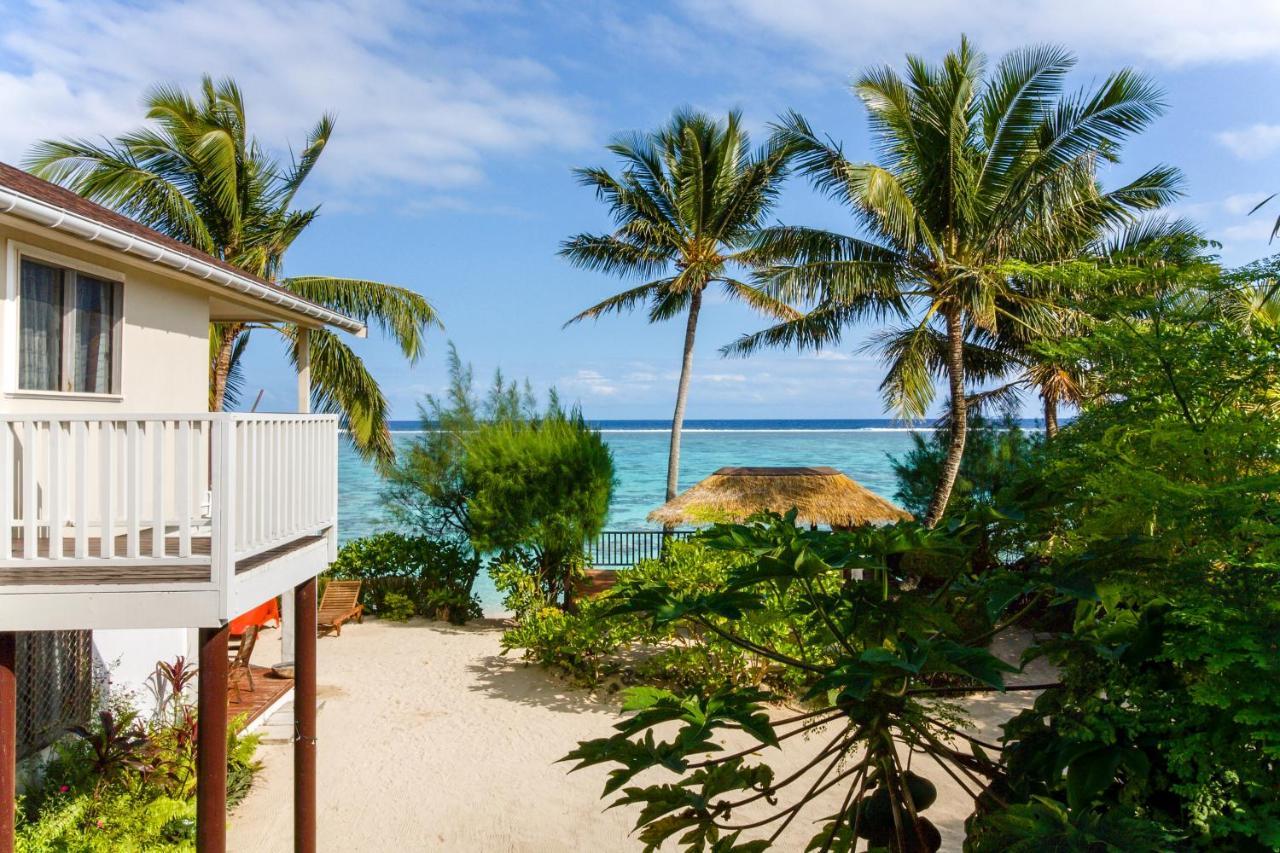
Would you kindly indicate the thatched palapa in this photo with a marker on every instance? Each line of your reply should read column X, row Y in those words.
column 821, row 495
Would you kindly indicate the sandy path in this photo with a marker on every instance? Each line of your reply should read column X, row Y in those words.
column 430, row 740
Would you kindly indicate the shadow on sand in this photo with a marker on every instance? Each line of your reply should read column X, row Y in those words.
column 514, row 680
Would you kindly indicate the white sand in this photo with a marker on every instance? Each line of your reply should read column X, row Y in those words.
column 430, row 740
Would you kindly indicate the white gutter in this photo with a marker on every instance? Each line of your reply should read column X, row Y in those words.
column 51, row 216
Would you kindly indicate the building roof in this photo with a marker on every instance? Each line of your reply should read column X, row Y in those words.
column 821, row 495
column 36, row 200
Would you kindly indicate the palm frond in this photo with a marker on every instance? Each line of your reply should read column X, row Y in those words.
column 402, row 314
column 341, row 384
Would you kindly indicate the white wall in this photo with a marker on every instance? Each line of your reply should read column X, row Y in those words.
column 130, row 656
column 164, row 349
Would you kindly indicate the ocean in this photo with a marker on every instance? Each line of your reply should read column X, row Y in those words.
column 859, row 448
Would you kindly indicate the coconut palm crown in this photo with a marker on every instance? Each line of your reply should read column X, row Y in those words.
column 198, row 176
column 688, row 205
column 974, row 169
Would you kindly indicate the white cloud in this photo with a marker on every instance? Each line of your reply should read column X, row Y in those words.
column 416, row 103
column 1241, row 204
column 852, row 33
column 1252, row 143
column 588, row 382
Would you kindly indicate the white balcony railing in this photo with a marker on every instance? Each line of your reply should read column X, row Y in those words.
column 165, row 489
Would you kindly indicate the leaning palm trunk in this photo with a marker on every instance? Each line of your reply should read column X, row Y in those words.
column 682, row 396
column 688, row 205
column 982, row 167
column 225, row 337
column 959, row 420
column 1050, row 417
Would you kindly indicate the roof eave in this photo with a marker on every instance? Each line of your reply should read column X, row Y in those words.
column 83, row 228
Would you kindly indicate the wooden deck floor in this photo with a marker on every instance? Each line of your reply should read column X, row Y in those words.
column 267, row 690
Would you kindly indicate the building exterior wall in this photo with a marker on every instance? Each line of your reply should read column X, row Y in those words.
column 129, row 656
column 164, row 346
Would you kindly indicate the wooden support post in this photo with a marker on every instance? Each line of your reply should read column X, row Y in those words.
column 8, row 738
column 304, row 716
column 211, row 742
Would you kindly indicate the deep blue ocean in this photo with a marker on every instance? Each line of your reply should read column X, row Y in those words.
column 859, row 448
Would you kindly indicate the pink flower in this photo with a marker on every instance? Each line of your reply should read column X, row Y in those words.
column 101, row 824
column 64, row 789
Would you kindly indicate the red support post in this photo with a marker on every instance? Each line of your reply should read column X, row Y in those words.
column 211, row 742
column 8, row 738
column 304, row 716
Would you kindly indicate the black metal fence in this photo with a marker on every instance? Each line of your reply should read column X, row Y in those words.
column 55, row 685
column 622, row 548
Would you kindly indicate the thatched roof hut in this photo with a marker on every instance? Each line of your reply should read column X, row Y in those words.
column 821, row 495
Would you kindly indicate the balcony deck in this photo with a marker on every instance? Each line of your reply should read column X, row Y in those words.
column 170, row 569
column 160, row 520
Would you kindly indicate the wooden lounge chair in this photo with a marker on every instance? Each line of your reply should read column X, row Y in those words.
column 340, row 603
column 241, row 650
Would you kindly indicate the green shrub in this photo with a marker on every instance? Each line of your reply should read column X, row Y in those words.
column 434, row 575
column 540, row 489
column 396, row 607
column 593, row 643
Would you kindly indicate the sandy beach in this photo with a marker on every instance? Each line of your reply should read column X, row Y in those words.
column 430, row 739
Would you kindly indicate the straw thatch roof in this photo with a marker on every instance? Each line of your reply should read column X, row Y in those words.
column 821, row 495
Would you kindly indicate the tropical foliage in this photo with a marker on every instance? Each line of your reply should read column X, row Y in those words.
column 688, row 205
column 122, row 783
column 1141, row 544
column 199, row 176
column 975, row 169
column 403, row 576
column 875, row 661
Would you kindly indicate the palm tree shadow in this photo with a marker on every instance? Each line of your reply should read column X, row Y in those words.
column 513, row 680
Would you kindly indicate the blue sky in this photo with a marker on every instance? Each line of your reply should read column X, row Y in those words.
column 458, row 124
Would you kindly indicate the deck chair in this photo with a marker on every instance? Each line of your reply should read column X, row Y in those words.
column 340, row 603
column 241, row 650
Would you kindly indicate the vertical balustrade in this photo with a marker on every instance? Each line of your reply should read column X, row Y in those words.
column 79, row 489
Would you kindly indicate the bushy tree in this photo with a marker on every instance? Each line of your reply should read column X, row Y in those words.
column 507, row 479
column 541, row 487
column 425, row 488
column 1167, row 485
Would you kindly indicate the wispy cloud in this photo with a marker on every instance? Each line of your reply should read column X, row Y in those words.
column 589, row 383
column 851, row 33
column 1252, row 143
column 417, row 105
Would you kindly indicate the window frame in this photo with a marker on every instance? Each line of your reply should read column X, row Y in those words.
column 70, row 268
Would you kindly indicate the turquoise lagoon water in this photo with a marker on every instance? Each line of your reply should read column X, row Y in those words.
column 860, row 449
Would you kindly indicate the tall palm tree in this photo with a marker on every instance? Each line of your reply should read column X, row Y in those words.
column 688, row 204
column 974, row 170
column 198, row 176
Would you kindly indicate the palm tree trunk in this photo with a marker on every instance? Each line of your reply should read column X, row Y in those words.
column 682, row 395
column 1050, row 417
column 959, row 419
column 222, row 366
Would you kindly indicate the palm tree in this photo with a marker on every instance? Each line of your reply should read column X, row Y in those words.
column 975, row 170
column 688, row 205
column 198, row 176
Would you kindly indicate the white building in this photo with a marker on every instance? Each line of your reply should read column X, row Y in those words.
column 130, row 510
